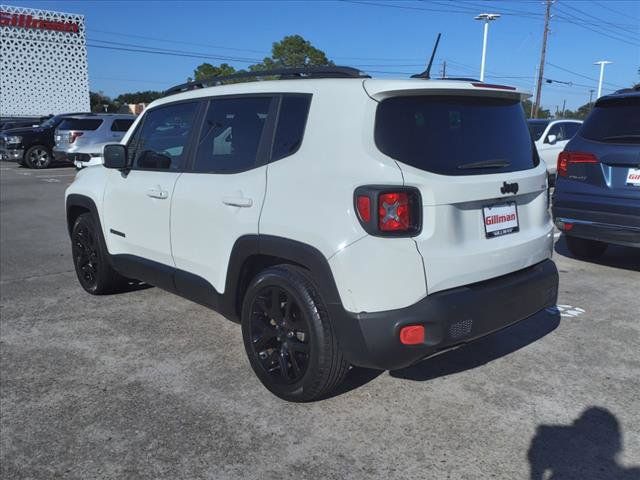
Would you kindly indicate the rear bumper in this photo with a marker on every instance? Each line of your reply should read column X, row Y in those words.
column 450, row 317
column 13, row 154
column 614, row 220
column 60, row 155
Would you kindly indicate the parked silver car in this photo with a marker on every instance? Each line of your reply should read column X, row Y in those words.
column 80, row 139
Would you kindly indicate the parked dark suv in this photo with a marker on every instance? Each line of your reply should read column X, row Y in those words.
column 31, row 146
column 597, row 196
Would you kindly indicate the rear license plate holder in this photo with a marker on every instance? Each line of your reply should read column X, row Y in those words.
column 500, row 219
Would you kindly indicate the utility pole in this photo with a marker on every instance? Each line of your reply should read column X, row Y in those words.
column 486, row 17
column 547, row 17
column 602, row 63
column 590, row 98
column 564, row 104
column 444, row 69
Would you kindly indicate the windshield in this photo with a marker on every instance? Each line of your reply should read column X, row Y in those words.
column 455, row 135
column 614, row 121
column 80, row 124
column 536, row 129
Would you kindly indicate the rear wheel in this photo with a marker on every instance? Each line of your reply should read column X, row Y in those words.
column 37, row 156
column 90, row 258
column 583, row 248
column 288, row 336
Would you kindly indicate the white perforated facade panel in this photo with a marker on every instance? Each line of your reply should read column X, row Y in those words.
column 43, row 62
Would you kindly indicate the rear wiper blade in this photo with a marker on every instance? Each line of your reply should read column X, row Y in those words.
column 485, row 164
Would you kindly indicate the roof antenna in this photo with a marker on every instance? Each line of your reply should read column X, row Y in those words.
column 427, row 73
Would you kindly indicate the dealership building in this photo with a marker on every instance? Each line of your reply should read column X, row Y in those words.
column 43, row 62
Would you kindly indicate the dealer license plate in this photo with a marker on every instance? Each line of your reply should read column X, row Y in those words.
column 500, row 219
column 633, row 177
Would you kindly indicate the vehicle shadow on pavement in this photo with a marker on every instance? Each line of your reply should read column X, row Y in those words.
column 484, row 350
column 626, row 258
column 584, row 450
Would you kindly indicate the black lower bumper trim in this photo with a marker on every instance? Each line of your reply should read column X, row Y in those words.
column 450, row 318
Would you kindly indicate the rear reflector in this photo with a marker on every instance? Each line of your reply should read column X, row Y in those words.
column 412, row 335
column 567, row 158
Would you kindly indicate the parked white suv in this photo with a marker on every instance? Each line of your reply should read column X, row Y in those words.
column 550, row 137
column 342, row 221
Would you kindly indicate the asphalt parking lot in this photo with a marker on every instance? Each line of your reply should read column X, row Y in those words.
column 145, row 384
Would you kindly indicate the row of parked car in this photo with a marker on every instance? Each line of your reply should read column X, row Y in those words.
column 72, row 137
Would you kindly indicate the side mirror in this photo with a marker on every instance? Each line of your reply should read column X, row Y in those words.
column 115, row 156
column 552, row 139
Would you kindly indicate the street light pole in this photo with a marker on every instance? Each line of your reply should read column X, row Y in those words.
column 486, row 17
column 602, row 63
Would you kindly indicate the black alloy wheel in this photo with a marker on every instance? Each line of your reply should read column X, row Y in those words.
column 280, row 335
column 91, row 260
column 288, row 335
column 85, row 256
column 38, row 157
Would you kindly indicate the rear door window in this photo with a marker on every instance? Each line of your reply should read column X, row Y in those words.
column 80, row 124
column 614, row 121
column 121, row 124
column 455, row 135
column 232, row 134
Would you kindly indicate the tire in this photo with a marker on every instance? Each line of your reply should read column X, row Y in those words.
column 37, row 157
column 288, row 336
column 583, row 248
column 91, row 260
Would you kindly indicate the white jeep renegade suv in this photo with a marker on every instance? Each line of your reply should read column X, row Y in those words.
column 342, row 220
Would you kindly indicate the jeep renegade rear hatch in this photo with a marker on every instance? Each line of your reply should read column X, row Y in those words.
column 484, row 192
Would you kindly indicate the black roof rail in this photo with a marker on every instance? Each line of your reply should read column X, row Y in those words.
column 281, row 73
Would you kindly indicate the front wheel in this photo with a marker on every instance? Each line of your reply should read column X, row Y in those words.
column 583, row 248
column 288, row 336
column 90, row 258
column 37, row 156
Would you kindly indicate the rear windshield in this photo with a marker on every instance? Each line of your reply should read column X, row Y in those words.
column 536, row 129
column 614, row 121
column 80, row 124
column 455, row 135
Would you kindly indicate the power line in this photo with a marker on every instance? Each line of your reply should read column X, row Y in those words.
column 583, row 76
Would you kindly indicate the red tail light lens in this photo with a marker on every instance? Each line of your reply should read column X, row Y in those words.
column 567, row 158
column 394, row 214
column 73, row 136
column 389, row 211
column 363, row 204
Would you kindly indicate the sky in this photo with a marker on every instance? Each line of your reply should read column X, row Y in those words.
column 385, row 38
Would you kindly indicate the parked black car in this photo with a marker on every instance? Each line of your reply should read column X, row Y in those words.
column 597, row 195
column 31, row 146
column 15, row 122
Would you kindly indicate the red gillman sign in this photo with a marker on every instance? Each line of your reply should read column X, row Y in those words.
column 28, row 21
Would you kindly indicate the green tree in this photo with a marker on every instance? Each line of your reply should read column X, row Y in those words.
column 147, row 96
column 98, row 100
column 527, row 106
column 293, row 51
column 206, row 70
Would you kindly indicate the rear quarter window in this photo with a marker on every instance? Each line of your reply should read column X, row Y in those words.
column 121, row 124
column 80, row 124
column 614, row 121
column 455, row 135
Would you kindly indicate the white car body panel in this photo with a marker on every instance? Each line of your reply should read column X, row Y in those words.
column 207, row 200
